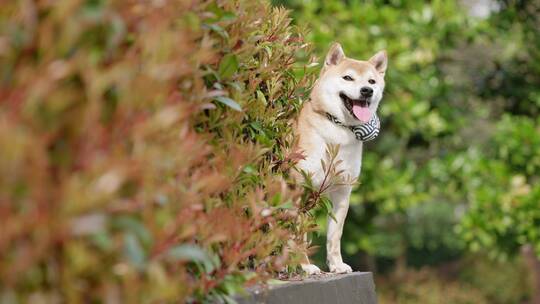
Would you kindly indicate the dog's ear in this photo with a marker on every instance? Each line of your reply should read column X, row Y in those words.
column 380, row 61
column 334, row 56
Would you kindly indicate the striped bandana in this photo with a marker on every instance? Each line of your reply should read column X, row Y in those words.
column 365, row 132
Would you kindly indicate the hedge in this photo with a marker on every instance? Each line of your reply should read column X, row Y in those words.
column 145, row 149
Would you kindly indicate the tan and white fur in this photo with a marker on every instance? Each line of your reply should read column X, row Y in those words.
column 339, row 75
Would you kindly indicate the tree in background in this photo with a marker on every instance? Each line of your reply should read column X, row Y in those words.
column 504, row 181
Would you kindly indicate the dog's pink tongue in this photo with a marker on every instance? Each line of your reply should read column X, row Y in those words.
column 363, row 114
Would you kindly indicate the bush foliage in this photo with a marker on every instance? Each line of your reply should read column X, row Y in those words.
column 145, row 149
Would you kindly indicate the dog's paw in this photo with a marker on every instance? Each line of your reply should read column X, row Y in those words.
column 310, row 269
column 340, row 268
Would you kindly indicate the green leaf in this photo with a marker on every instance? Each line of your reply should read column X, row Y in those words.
column 286, row 205
column 229, row 102
column 134, row 251
column 192, row 253
column 228, row 16
column 249, row 169
column 327, row 206
column 261, row 98
column 187, row 253
column 134, row 226
column 218, row 29
column 228, row 66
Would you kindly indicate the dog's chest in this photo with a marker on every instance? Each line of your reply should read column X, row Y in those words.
column 349, row 155
column 351, row 159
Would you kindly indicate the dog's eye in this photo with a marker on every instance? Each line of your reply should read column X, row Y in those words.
column 348, row 78
column 372, row 81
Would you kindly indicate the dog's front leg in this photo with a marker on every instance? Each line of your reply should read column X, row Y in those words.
column 340, row 201
column 306, row 265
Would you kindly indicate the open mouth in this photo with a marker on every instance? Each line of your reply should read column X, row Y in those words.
column 359, row 108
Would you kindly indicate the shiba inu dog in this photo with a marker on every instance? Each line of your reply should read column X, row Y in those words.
column 341, row 111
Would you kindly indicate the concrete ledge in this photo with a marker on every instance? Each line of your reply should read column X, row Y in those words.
column 357, row 287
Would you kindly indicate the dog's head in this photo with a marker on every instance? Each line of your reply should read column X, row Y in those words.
column 350, row 89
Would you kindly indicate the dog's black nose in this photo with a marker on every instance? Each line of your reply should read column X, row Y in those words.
column 366, row 92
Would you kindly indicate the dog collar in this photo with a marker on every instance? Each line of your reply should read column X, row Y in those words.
column 365, row 132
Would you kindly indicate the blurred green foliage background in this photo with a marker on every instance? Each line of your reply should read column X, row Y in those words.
column 457, row 168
